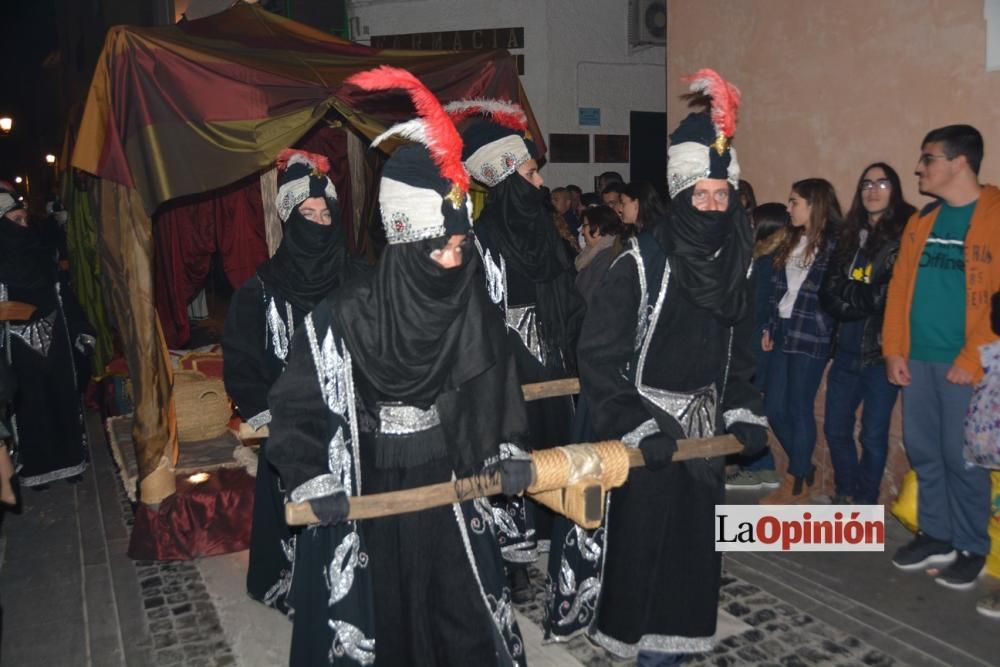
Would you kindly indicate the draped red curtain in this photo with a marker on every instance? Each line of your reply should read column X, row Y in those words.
column 187, row 232
column 229, row 221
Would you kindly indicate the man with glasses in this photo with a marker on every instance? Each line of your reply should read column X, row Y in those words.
column 937, row 317
column 666, row 354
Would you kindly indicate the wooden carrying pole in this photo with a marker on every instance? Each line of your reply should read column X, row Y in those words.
column 446, row 493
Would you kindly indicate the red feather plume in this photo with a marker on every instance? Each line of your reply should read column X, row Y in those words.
column 443, row 140
column 725, row 98
column 318, row 162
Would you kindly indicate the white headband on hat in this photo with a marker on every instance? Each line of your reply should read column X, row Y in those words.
column 7, row 203
column 293, row 193
column 497, row 160
column 689, row 162
column 410, row 213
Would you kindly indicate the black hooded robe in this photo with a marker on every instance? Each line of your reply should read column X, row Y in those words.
column 49, row 434
column 652, row 359
column 263, row 314
column 425, row 588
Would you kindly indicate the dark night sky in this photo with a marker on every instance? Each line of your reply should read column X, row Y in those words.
column 29, row 35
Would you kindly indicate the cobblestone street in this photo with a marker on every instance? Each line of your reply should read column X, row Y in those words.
column 71, row 596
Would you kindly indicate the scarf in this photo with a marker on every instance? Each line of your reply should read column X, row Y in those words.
column 414, row 328
column 309, row 262
column 28, row 263
column 523, row 232
column 588, row 254
column 709, row 253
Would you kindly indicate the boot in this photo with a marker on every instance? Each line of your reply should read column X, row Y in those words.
column 520, row 584
column 793, row 490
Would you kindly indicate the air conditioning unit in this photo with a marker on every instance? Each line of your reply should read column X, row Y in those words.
column 647, row 22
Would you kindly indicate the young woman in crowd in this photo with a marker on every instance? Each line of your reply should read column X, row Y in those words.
column 800, row 332
column 770, row 232
column 854, row 292
column 641, row 206
column 601, row 228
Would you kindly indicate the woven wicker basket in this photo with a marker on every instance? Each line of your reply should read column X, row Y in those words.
column 203, row 409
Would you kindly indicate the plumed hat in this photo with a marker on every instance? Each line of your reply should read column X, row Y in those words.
column 701, row 146
column 423, row 192
column 302, row 175
column 495, row 146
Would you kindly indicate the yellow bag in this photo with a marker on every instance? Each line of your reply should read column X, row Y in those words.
column 993, row 558
column 905, row 506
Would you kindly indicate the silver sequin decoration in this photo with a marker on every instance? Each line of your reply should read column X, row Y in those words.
column 524, row 321
column 38, row 334
column 320, row 486
column 259, row 419
column 397, row 419
column 339, row 460
column 340, row 574
column 695, row 412
column 331, row 368
column 635, row 436
column 659, row 643
column 278, row 330
column 496, row 277
column 743, row 415
column 645, row 310
column 351, row 641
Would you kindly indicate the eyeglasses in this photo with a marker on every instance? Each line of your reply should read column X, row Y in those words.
column 926, row 158
column 881, row 184
column 701, row 196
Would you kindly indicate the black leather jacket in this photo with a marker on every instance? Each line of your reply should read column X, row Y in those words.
column 851, row 300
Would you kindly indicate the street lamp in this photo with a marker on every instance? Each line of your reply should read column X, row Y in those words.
column 6, row 124
column 18, row 180
column 50, row 159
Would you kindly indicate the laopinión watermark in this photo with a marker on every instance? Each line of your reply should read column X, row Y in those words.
column 799, row 528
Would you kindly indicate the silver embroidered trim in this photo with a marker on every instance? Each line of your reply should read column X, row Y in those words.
column 645, row 311
column 38, row 334
column 350, row 640
column 659, row 643
column 496, row 277
column 743, row 415
column 502, row 610
column 410, row 233
column 339, row 460
column 406, row 419
column 654, row 317
column 277, row 329
column 524, row 321
column 259, row 420
column 520, row 553
column 293, row 193
column 330, row 369
column 508, row 450
column 54, row 475
column 320, row 486
column 83, row 341
column 635, row 436
column 695, row 412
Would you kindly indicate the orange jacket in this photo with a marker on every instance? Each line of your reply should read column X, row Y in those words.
column 982, row 280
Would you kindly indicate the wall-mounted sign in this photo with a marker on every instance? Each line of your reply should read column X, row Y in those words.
column 589, row 116
column 453, row 40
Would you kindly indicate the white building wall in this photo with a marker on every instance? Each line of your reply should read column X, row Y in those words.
column 576, row 55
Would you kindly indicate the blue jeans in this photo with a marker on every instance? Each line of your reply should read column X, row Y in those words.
column 792, row 383
column 848, row 385
column 954, row 495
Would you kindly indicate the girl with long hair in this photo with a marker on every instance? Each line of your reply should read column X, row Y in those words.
column 800, row 332
column 641, row 206
column 854, row 291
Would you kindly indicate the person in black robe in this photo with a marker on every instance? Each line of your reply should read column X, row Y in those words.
column 666, row 354
column 310, row 262
column 49, row 437
column 530, row 277
column 397, row 381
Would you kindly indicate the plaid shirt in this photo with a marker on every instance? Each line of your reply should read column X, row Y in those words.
column 810, row 329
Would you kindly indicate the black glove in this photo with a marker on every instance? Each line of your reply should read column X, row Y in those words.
column 516, row 475
column 752, row 436
column 658, row 450
column 331, row 509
